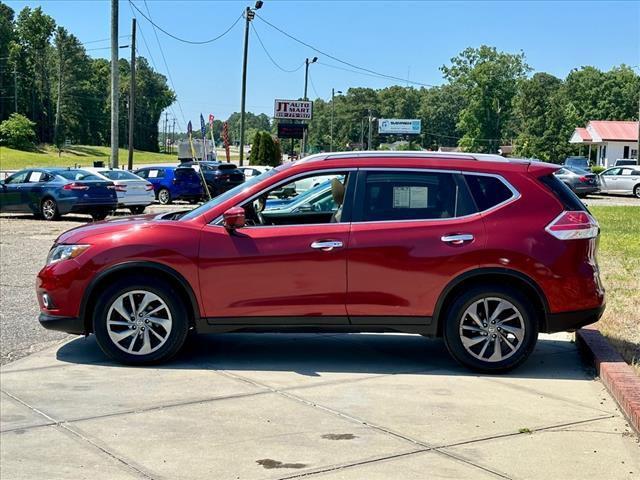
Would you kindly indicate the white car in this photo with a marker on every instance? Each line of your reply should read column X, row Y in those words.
column 134, row 192
column 253, row 171
column 621, row 180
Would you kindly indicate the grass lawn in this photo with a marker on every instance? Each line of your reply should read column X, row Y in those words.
column 619, row 260
column 81, row 155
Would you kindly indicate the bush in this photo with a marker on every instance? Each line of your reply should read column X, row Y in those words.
column 597, row 169
column 265, row 150
column 18, row 132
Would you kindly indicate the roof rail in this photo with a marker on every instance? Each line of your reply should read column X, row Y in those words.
column 413, row 154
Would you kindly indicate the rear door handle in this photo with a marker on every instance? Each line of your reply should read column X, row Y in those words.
column 457, row 239
column 326, row 245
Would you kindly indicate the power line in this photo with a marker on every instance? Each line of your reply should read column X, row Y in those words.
column 349, row 70
column 340, row 60
column 104, row 39
column 269, row 55
column 192, row 42
column 313, row 87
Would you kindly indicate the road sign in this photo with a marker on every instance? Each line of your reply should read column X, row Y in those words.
column 293, row 109
column 399, row 126
column 291, row 130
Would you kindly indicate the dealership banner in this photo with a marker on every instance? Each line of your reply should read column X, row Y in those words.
column 291, row 130
column 399, row 126
column 293, row 109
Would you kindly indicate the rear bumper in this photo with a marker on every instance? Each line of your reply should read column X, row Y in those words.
column 568, row 321
column 62, row 324
column 586, row 189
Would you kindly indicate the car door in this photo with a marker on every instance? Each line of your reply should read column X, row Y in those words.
column 608, row 180
column 11, row 192
column 412, row 231
column 627, row 179
column 276, row 274
column 32, row 190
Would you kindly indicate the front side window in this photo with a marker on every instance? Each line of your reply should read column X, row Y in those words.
column 19, row 177
column 613, row 171
column 411, row 195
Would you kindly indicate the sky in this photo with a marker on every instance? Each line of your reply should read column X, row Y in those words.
column 408, row 40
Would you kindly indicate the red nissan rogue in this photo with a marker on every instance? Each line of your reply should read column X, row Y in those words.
column 478, row 249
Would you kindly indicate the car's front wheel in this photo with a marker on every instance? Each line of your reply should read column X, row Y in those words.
column 636, row 190
column 140, row 321
column 137, row 210
column 491, row 329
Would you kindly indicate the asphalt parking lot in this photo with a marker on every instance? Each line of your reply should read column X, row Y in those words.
column 345, row 406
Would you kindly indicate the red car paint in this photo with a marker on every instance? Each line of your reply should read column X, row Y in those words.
column 384, row 269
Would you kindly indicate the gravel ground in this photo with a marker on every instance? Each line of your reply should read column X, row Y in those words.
column 24, row 244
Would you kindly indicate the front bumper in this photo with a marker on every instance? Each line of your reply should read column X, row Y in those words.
column 569, row 321
column 62, row 324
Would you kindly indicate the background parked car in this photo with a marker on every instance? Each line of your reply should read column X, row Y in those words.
column 169, row 184
column 134, row 192
column 621, row 180
column 582, row 182
column 622, row 162
column 51, row 192
column 579, row 162
column 253, row 170
column 220, row 177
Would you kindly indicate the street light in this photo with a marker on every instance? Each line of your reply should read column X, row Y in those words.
column 249, row 14
column 333, row 92
column 307, row 62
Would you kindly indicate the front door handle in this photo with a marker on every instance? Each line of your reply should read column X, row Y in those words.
column 457, row 239
column 326, row 245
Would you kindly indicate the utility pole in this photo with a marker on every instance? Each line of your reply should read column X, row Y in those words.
column 249, row 14
column 115, row 88
column 369, row 137
column 362, row 134
column 638, row 145
column 166, row 120
column 56, row 128
column 15, row 89
column 132, row 92
column 303, row 148
column 333, row 92
column 173, row 135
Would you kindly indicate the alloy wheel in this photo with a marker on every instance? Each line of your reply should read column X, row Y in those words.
column 492, row 329
column 139, row 322
column 164, row 196
column 49, row 209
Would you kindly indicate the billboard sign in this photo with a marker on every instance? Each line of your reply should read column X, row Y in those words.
column 399, row 126
column 293, row 109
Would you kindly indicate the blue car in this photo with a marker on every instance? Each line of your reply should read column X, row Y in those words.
column 171, row 183
column 52, row 192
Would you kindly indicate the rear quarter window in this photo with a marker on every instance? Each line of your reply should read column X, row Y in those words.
column 565, row 196
column 487, row 191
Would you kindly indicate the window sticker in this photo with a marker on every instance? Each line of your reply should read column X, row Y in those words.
column 410, row 197
column 35, row 176
column 153, row 173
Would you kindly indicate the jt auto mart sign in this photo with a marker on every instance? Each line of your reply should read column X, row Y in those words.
column 293, row 109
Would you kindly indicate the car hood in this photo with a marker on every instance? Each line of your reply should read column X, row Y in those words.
column 118, row 226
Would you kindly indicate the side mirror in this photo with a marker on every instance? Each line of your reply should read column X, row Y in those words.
column 234, row 218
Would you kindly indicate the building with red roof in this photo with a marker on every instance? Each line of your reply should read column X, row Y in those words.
column 612, row 140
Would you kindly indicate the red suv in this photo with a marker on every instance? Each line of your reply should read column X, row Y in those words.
column 481, row 250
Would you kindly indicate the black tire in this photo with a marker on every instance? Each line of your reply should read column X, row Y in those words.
column 49, row 209
column 212, row 191
column 492, row 333
column 137, row 210
column 636, row 191
column 98, row 215
column 164, row 196
column 175, row 337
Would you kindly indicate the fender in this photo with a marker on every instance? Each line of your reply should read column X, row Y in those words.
column 478, row 272
column 140, row 264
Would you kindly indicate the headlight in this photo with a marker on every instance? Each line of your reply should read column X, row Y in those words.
column 64, row 252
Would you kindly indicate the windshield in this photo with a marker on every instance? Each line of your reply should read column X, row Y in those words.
column 227, row 195
column 119, row 175
column 579, row 171
column 77, row 175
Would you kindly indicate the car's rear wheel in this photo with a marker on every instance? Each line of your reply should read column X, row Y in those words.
column 137, row 210
column 636, row 190
column 164, row 196
column 49, row 209
column 140, row 321
column 98, row 215
column 491, row 329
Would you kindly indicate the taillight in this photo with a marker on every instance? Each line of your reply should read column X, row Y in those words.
column 573, row 225
column 75, row 186
column 148, row 188
column 583, row 179
column 117, row 188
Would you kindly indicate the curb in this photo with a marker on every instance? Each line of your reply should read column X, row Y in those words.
column 618, row 377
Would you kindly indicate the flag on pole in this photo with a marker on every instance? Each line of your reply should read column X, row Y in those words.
column 203, row 127
column 211, row 119
column 189, row 128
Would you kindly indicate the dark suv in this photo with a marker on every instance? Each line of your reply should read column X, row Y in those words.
column 218, row 176
column 478, row 249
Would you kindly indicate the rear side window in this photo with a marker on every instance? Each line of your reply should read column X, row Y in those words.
column 184, row 173
column 487, row 191
column 412, row 196
column 119, row 175
column 569, row 200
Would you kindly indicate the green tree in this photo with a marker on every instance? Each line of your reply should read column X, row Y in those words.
column 489, row 81
column 6, row 68
column 439, row 111
column 18, row 132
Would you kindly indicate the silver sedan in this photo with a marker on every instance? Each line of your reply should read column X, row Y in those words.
column 621, row 180
column 134, row 192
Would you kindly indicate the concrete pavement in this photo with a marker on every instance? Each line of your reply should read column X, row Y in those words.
column 346, row 406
